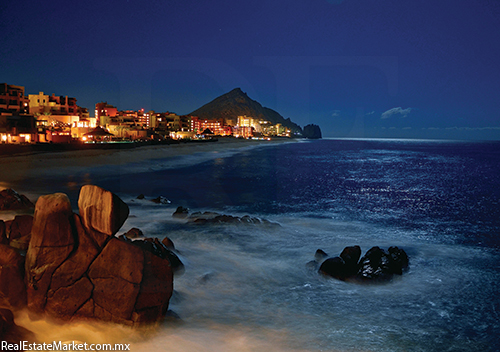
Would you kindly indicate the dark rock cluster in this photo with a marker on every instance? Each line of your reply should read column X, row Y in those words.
column 216, row 218
column 377, row 265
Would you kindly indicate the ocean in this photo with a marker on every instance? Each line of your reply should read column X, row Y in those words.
column 248, row 287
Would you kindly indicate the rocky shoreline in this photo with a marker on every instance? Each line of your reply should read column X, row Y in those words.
column 68, row 267
column 71, row 266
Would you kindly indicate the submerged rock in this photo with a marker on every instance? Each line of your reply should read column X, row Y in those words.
column 167, row 242
column 216, row 218
column 134, row 233
column 181, row 212
column 161, row 200
column 320, row 255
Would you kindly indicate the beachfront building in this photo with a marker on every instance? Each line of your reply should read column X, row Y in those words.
column 216, row 126
column 59, row 118
column 182, row 134
column 17, row 129
column 55, row 105
column 83, row 126
column 12, row 100
column 104, row 109
column 243, row 131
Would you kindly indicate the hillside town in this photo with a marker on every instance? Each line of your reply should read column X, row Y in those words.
column 42, row 118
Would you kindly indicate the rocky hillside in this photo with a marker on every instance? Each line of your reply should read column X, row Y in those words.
column 237, row 103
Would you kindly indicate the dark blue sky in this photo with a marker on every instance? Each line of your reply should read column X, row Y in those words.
column 358, row 68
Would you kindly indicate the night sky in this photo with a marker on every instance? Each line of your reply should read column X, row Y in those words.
column 358, row 68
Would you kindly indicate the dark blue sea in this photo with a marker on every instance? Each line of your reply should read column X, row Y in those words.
column 247, row 287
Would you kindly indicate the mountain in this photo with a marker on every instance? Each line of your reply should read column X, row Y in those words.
column 237, row 103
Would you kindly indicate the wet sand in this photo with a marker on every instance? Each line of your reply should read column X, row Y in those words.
column 16, row 168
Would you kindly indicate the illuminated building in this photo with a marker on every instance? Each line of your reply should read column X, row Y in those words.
column 243, row 131
column 104, row 109
column 17, row 129
column 56, row 105
column 83, row 126
column 13, row 100
column 216, row 126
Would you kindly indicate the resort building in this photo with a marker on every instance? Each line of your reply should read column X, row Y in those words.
column 58, row 111
column 17, row 129
column 104, row 109
column 216, row 126
column 13, row 100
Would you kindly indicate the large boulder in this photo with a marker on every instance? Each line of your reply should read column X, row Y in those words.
column 155, row 290
column 116, row 274
column 52, row 241
column 78, row 263
column 75, row 270
column 102, row 210
column 12, row 287
column 11, row 200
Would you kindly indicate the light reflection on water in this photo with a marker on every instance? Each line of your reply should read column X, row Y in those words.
column 440, row 205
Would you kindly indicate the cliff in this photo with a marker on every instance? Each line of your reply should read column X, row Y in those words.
column 312, row 132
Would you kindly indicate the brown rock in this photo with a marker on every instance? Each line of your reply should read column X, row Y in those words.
column 134, row 233
column 19, row 231
column 86, row 310
column 116, row 275
column 102, row 210
column 51, row 243
column 3, row 233
column 21, row 243
column 65, row 301
column 20, row 226
column 157, row 284
column 77, row 264
column 12, row 287
column 11, row 200
column 167, row 242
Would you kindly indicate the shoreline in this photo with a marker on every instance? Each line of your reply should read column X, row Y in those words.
column 16, row 169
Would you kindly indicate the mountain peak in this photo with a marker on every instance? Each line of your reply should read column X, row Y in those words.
column 237, row 103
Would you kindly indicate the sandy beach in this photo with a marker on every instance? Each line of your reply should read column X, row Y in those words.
column 16, row 168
